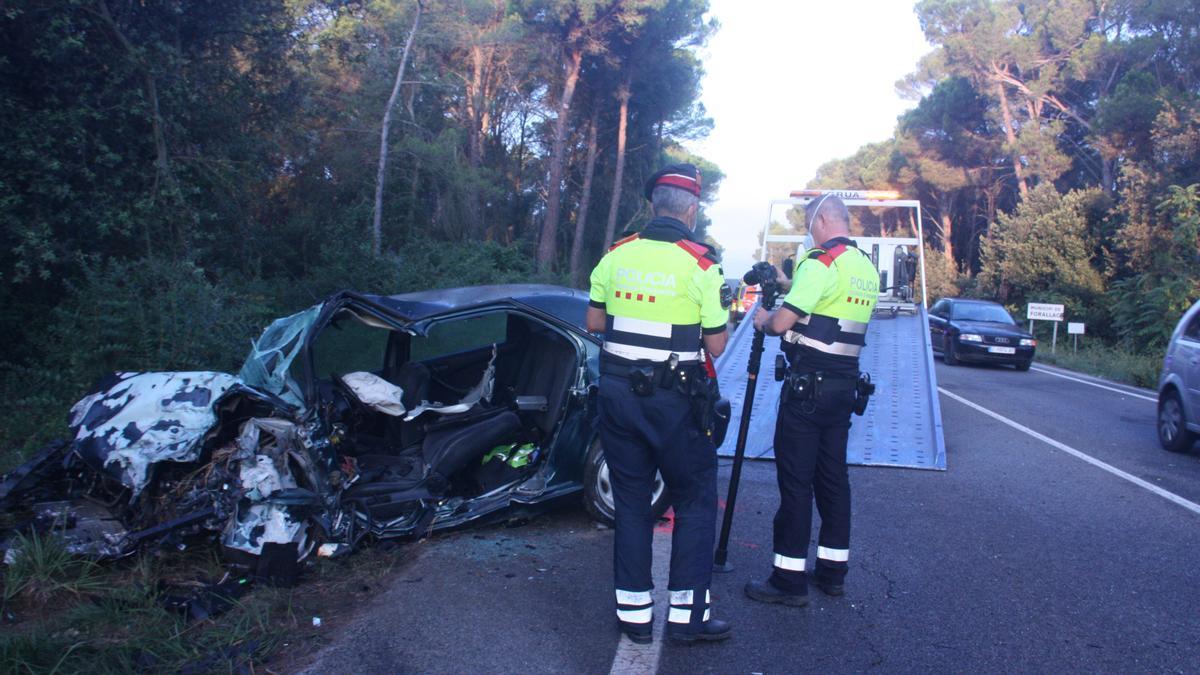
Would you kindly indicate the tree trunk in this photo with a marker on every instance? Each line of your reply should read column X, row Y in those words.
column 945, row 204
column 476, row 102
column 548, row 244
column 1011, row 135
column 162, row 164
column 585, row 201
column 658, row 139
column 519, row 214
column 619, row 175
column 376, row 223
column 413, row 199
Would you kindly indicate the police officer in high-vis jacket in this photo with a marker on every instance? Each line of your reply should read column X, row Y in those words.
column 656, row 297
column 823, row 321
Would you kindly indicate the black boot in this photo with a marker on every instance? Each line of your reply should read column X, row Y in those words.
column 830, row 588
column 713, row 630
column 765, row 591
column 640, row 633
column 830, row 578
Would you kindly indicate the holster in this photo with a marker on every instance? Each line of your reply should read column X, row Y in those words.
column 704, row 397
column 863, row 389
column 641, row 379
column 710, row 412
column 800, row 386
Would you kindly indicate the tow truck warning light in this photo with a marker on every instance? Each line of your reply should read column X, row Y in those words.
column 849, row 194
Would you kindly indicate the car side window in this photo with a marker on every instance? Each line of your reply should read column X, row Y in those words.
column 1192, row 332
column 348, row 345
column 460, row 335
column 940, row 309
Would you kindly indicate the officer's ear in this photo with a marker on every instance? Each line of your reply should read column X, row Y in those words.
column 788, row 267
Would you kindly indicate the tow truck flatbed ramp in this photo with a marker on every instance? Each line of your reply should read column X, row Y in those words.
column 902, row 426
column 903, row 423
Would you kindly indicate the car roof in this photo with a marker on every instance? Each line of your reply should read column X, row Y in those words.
column 973, row 301
column 423, row 305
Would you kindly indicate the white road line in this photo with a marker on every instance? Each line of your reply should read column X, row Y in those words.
column 632, row 658
column 1169, row 496
column 1124, row 392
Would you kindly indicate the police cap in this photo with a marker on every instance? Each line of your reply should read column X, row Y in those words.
column 682, row 176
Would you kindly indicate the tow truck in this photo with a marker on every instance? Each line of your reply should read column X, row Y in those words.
column 902, row 426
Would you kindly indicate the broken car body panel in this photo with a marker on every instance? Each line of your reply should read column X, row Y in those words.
column 141, row 419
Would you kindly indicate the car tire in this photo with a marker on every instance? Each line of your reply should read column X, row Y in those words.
column 597, row 489
column 1173, row 433
column 1024, row 365
column 948, row 355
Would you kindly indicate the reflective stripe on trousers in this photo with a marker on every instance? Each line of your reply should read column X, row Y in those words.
column 833, row 554
column 683, row 606
column 635, row 606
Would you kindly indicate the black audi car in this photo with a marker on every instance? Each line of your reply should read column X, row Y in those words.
column 979, row 331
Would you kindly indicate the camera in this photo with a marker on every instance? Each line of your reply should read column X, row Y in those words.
column 763, row 275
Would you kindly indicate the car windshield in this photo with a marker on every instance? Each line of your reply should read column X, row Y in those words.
column 980, row 312
column 268, row 367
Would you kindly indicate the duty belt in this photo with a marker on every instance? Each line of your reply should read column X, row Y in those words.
column 621, row 368
column 808, row 386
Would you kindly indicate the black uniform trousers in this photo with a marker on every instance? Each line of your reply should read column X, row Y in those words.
column 810, row 461
column 641, row 435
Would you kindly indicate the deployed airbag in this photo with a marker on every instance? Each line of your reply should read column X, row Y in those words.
column 376, row 393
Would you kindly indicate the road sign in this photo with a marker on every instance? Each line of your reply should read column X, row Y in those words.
column 1074, row 328
column 1041, row 311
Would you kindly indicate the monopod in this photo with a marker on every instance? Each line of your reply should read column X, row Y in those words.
column 762, row 274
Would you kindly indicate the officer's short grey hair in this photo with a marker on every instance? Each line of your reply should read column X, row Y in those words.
column 829, row 206
column 671, row 201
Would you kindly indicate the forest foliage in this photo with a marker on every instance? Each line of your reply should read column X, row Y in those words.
column 178, row 173
column 1055, row 148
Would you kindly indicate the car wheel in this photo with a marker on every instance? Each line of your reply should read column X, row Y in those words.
column 1173, row 433
column 598, row 493
column 948, row 355
column 1024, row 365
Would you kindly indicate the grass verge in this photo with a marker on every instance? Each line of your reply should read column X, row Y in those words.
column 62, row 614
column 1118, row 365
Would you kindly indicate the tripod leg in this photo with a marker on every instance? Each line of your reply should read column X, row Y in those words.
column 721, row 557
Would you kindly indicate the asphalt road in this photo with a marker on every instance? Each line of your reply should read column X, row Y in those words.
column 1020, row 557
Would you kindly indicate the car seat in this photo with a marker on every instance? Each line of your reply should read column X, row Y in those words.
column 547, row 365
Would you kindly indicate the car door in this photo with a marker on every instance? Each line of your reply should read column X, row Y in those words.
column 937, row 323
column 1189, row 354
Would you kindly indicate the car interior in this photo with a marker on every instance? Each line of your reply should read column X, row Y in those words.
column 415, row 416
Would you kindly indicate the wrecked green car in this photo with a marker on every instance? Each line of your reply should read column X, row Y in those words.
column 364, row 417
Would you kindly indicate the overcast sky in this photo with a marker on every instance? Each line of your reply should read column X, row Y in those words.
column 771, row 133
